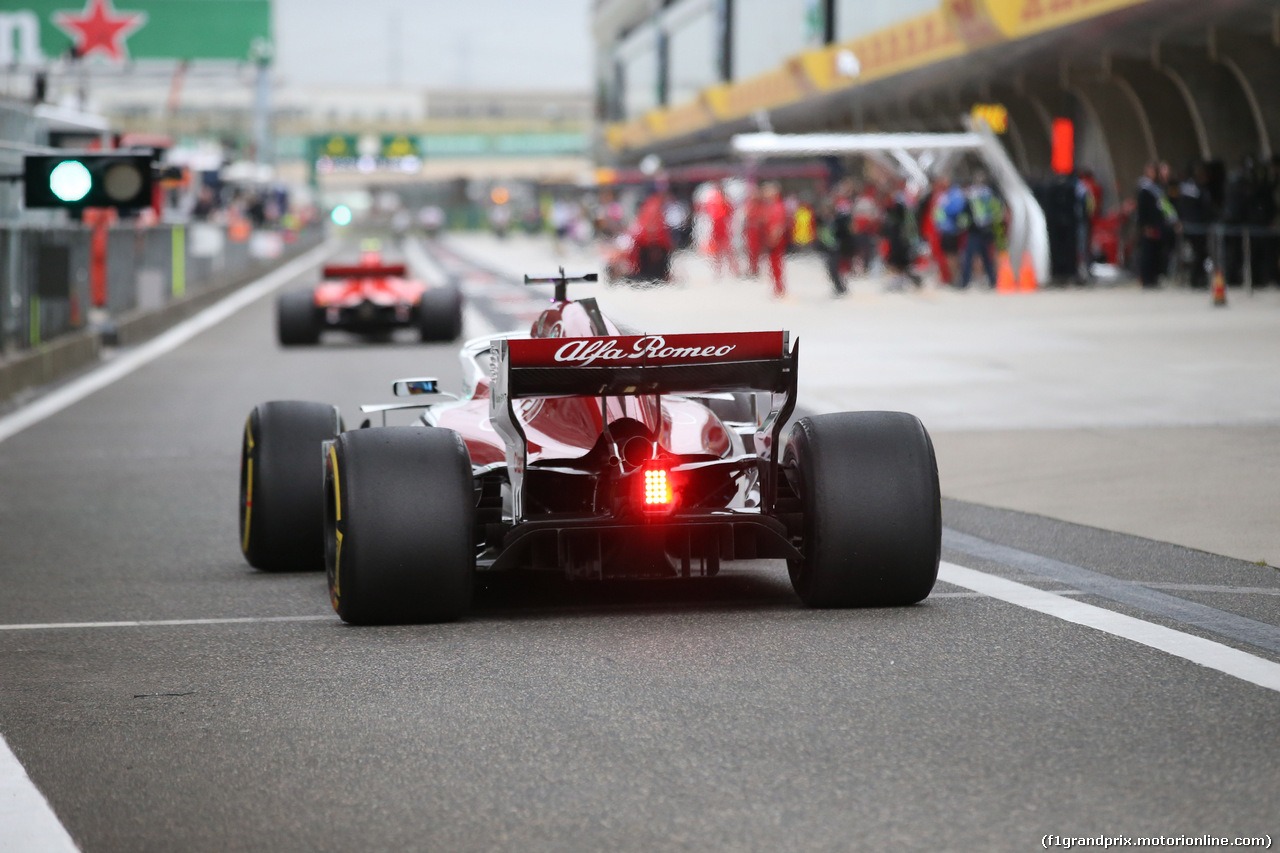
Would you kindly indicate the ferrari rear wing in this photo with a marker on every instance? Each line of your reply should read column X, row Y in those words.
column 357, row 271
column 619, row 365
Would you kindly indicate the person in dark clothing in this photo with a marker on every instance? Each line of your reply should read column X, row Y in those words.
column 1196, row 212
column 901, row 235
column 841, row 249
column 1155, row 215
column 1261, row 214
column 1235, row 212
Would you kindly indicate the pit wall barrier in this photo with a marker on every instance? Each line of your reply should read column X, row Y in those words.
column 154, row 277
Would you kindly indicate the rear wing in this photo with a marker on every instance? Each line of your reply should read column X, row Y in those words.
column 643, row 364
column 620, row 365
column 357, row 271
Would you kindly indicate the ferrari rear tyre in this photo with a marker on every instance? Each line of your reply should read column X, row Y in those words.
column 399, row 525
column 297, row 323
column 440, row 314
column 282, row 485
column 872, row 529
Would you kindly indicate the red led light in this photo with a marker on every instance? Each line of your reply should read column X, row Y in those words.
column 657, row 489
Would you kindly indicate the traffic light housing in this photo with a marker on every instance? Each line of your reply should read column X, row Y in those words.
column 79, row 179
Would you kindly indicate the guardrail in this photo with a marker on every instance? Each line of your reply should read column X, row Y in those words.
column 46, row 273
column 60, row 304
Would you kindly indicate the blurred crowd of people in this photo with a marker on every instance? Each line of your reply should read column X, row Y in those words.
column 952, row 231
column 242, row 207
column 1181, row 222
column 859, row 229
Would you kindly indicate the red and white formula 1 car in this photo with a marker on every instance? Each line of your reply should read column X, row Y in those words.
column 578, row 449
column 371, row 299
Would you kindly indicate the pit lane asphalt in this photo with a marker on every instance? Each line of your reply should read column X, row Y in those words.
column 712, row 715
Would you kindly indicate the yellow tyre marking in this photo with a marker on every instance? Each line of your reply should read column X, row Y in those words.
column 337, row 564
column 248, row 431
column 248, row 504
column 336, row 592
column 337, row 492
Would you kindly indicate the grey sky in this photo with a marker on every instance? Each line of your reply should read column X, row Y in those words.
column 479, row 44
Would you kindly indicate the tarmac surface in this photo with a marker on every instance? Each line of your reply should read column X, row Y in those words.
column 1149, row 413
column 239, row 714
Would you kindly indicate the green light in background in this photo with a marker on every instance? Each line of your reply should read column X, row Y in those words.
column 70, row 181
column 341, row 215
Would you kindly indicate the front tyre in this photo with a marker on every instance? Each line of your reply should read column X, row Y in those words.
column 872, row 529
column 282, row 484
column 399, row 525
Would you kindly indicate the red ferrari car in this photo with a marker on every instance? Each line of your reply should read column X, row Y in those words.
column 369, row 298
column 576, row 448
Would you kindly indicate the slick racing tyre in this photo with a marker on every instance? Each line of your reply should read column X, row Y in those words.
column 297, row 322
column 399, row 525
column 872, row 523
column 282, row 485
column 440, row 314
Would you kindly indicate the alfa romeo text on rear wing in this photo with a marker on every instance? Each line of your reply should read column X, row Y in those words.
column 639, row 364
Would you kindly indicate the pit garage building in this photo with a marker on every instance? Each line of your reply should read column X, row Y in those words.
column 1173, row 80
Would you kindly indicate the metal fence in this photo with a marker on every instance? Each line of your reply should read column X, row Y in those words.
column 1247, row 255
column 45, row 288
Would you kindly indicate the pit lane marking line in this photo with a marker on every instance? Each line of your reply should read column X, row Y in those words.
column 1206, row 653
column 1130, row 593
column 27, row 821
column 1208, row 587
column 127, row 362
column 228, row 620
column 426, row 266
column 479, row 314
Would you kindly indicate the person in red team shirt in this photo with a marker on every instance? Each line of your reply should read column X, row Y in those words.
column 720, row 212
column 753, row 230
column 653, row 239
column 777, row 224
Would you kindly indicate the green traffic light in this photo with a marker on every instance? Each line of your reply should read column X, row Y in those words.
column 70, row 181
column 341, row 215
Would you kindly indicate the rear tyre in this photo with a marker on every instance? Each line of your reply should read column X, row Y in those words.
column 297, row 322
column 872, row 528
column 440, row 314
column 282, row 485
column 399, row 525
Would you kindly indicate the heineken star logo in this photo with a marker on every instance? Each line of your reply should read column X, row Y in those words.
column 99, row 28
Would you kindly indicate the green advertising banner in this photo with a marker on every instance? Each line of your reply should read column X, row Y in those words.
column 394, row 147
column 33, row 32
column 336, row 145
column 505, row 144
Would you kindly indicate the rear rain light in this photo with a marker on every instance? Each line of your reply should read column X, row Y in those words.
column 657, row 490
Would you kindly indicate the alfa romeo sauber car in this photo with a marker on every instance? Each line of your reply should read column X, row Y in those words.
column 578, row 449
column 369, row 298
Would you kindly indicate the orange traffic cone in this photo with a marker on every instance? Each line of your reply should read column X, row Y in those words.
column 1004, row 277
column 1219, row 289
column 1027, row 275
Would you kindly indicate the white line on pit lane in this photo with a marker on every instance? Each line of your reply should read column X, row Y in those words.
column 127, row 362
column 1216, row 656
column 229, row 620
column 27, row 822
